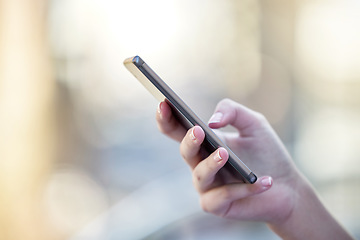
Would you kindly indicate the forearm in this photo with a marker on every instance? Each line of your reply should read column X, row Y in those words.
column 309, row 219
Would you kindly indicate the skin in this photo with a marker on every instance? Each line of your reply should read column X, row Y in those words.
column 282, row 197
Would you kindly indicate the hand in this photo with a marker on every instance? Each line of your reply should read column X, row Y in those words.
column 281, row 196
column 256, row 145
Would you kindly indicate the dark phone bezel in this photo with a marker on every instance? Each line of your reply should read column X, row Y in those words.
column 186, row 116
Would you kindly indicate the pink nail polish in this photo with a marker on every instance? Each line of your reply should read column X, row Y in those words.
column 159, row 107
column 217, row 156
column 192, row 134
column 266, row 182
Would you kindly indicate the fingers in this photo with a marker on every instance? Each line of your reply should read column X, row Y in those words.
column 229, row 112
column 205, row 172
column 190, row 147
column 219, row 200
column 168, row 124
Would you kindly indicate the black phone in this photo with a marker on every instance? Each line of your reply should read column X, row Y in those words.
column 161, row 91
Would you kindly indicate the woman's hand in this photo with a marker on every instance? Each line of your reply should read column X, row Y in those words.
column 256, row 144
column 282, row 197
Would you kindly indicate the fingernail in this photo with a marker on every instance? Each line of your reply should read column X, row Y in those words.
column 192, row 134
column 217, row 156
column 266, row 182
column 159, row 108
column 216, row 117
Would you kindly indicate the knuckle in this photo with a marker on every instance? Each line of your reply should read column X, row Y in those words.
column 207, row 205
column 183, row 148
column 204, row 204
column 196, row 177
column 225, row 193
column 259, row 116
column 261, row 119
column 165, row 129
column 226, row 101
column 183, row 155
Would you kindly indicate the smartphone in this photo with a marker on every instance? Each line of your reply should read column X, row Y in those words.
column 161, row 91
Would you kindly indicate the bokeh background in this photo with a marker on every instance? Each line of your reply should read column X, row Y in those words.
column 80, row 154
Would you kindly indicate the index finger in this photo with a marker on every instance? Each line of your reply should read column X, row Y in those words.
column 245, row 120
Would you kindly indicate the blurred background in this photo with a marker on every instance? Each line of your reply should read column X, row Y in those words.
column 80, row 154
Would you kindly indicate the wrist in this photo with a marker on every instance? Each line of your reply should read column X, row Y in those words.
column 308, row 219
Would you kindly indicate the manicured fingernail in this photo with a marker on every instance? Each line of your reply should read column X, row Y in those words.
column 216, row 117
column 217, row 156
column 192, row 134
column 159, row 107
column 159, row 110
column 266, row 182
